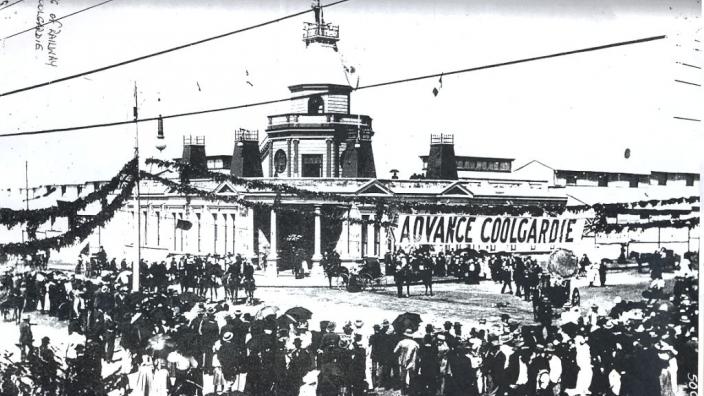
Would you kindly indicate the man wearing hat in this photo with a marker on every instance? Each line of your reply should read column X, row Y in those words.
column 49, row 365
column 458, row 330
column 406, row 352
column 330, row 338
column 357, row 366
column 387, row 361
column 398, row 280
column 374, row 354
column 26, row 337
column 209, row 332
column 495, row 366
column 299, row 365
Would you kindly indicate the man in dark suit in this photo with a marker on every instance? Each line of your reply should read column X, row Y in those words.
column 209, row 333
column 497, row 380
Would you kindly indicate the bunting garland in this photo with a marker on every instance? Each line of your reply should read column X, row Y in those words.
column 390, row 206
column 622, row 208
column 35, row 217
column 188, row 189
column 75, row 234
column 675, row 223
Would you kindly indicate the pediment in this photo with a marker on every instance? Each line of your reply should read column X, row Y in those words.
column 457, row 189
column 225, row 188
column 374, row 187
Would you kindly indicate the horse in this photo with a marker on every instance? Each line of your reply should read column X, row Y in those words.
column 213, row 284
column 249, row 287
column 203, row 282
column 188, row 280
column 232, row 283
column 427, row 277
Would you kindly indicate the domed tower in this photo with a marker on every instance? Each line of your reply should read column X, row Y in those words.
column 319, row 137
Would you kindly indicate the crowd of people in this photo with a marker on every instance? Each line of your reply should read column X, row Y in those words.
column 173, row 342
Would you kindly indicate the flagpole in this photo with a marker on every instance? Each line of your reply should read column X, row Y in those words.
column 137, row 207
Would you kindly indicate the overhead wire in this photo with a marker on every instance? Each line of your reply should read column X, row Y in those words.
column 10, row 5
column 369, row 86
column 56, row 19
column 162, row 52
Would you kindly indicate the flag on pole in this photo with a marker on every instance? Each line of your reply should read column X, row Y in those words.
column 436, row 90
column 184, row 225
column 85, row 250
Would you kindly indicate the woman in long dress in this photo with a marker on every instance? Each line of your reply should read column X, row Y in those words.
column 161, row 379
column 145, row 377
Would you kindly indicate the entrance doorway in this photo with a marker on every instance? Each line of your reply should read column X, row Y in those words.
column 312, row 165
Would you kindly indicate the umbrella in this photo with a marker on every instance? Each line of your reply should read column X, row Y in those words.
column 285, row 320
column 160, row 342
column 562, row 262
column 300, row 314
column 266, row 311
column 405, row 321
column 190, row 298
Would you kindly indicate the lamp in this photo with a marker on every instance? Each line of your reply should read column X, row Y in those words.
column 161, row 144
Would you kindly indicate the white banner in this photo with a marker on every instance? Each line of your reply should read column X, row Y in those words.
column 501, row 233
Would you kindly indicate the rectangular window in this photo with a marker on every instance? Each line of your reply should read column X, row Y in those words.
column 633, row 183
column 571, row 180
column 312, row 165
column 175, row 223
column 365, row 234
column 158, row 229
column 224, row 225
column 63, row 190
column 233, row 232
column 146, row 228
column 198, row 219
column 377, row 242
column 215, row 233
column 603, row 181
column 690, row 180
column 180, row 232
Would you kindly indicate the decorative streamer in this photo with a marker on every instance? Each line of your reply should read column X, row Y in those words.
column 11, row 217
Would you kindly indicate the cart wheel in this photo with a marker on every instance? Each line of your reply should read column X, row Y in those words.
column 575, row 298
column 342, row 281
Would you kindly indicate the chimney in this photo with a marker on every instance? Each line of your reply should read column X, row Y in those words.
column 194, row 155
column 246, row 161
column 441, row 160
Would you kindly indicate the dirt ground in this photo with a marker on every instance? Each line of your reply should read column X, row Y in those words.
column 452, row 301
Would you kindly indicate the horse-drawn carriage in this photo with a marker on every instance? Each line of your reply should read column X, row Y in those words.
column 364, row 275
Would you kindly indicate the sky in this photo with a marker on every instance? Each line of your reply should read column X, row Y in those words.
column 580, row 111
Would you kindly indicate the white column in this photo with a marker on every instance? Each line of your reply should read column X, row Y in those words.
column 273, row 258
column 317, row 256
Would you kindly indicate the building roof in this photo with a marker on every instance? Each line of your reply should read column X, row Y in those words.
column 318, row 64
column 580, row 195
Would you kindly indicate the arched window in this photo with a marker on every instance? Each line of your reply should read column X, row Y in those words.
column 316, row 105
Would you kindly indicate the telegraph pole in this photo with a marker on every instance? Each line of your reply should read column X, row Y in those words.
column 26, row 193
column 137, row 208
